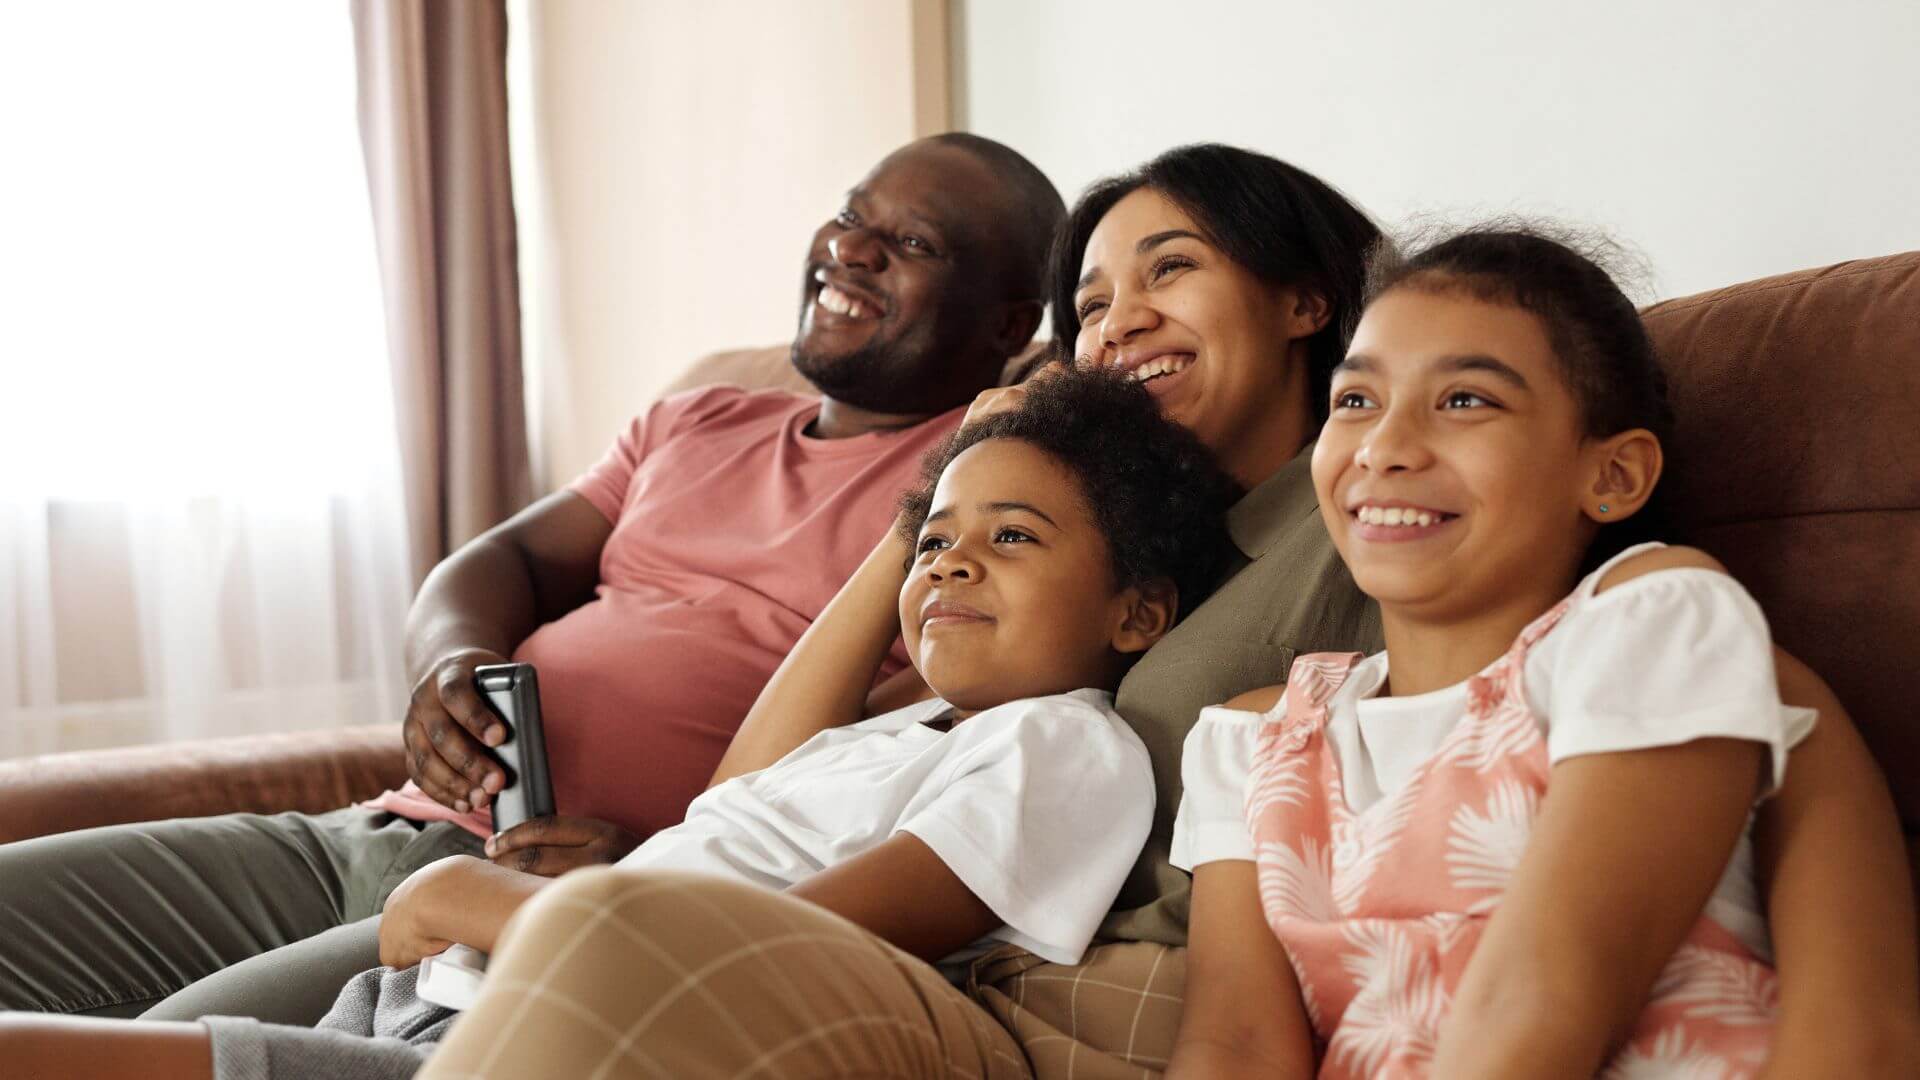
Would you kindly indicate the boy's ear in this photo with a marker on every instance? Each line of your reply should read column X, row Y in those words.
column 1626, row 468
column 1149, row 614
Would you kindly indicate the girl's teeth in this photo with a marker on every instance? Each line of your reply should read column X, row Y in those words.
column 1395, row 515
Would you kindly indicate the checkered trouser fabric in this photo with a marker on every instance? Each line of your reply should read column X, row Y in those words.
column 617, row 974
column 612, row 974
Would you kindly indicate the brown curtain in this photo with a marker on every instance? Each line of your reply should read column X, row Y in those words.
column 433, row 123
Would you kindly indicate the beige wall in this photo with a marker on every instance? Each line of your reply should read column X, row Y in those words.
column 673, row 162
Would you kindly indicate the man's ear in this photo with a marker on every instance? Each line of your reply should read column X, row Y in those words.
column 1149, row 611
column 1626, row 468
column 1019, row 321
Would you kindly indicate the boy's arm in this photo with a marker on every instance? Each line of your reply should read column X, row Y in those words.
column 901, row 891
column 1833, row 869
column 1243, row 1014
column 1605, row 892
column 458, row 900
column 824, row 682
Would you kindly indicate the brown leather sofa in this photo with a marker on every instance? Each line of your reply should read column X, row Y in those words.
column 1796, row 463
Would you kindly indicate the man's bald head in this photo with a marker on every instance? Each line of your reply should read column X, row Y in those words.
column 929, row 278
column 1030, row 209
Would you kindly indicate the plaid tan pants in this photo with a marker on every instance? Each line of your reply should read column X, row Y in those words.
column 620, row 974
column 612, row 974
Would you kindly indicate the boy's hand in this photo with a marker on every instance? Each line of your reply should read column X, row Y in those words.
column 551, row 846
column 412, row 922
column 447, row 730
column 1001, row 399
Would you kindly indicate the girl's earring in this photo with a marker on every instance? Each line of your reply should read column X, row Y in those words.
column 1603, row 508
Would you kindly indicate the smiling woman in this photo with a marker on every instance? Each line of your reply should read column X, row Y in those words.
column 200, row 509
column 1227, row 281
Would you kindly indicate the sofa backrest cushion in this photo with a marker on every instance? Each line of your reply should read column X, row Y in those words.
column 769, row 367
column 1796, row 463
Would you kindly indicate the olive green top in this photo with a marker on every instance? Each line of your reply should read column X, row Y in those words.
column 1292, row 596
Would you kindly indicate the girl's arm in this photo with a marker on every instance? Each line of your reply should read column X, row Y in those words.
column 1623, row 857
column 1243, row 1015
column 1833, row 869
column 825, row 680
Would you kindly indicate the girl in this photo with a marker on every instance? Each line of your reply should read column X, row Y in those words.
column 1049, row 547
column 1382, row 885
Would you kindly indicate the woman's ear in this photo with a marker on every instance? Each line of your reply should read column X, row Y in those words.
column 1626, row 468
column 1149, row 611
column 1307, row 311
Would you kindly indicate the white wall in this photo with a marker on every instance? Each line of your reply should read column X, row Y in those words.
column 671, row 163
column 1726, row 139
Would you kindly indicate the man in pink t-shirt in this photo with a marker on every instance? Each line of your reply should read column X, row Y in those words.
column 655, row 595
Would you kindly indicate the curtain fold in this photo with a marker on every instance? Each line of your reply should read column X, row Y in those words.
column 433, row 124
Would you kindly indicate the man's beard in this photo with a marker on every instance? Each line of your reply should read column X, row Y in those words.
column 874, row 377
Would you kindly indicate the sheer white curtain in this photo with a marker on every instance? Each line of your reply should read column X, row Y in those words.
column 200, row 517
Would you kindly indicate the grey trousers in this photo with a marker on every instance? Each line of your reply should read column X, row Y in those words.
column 240, row 915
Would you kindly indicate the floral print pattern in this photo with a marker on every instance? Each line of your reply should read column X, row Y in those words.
column 1380, row 910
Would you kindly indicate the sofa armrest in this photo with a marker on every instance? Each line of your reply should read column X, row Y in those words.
column 309, row 771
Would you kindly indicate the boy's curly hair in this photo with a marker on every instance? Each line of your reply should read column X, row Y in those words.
column 1153, row 489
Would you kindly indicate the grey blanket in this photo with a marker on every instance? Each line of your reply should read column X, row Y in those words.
column 378, row 1029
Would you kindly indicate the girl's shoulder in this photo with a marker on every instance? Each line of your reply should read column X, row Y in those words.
column 1342, row 673
column 1651, row 559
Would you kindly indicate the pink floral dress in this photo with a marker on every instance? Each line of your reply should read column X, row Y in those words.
column 1380, row 910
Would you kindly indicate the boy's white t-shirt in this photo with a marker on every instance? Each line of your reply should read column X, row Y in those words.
column 1039, row 806
column 1664, row 659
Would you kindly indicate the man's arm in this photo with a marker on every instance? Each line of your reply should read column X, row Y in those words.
column 825, row 681
column 474, row 609
column 1833, row 869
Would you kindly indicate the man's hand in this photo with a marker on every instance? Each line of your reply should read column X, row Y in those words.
column 551, row 846
column 447, row 730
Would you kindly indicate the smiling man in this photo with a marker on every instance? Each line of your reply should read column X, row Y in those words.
column 656, row 595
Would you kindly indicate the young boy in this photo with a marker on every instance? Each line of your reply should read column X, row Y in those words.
column 1049, row 546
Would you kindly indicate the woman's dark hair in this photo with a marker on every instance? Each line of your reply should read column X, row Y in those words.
column 1153, row 490
column 1282, row 224
column 1601, row 345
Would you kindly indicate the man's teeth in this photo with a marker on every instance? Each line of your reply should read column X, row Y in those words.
column 841, row 304
column 1395, row 515
column 1161, row 365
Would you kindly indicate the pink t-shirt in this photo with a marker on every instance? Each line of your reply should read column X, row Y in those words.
column 731, row 531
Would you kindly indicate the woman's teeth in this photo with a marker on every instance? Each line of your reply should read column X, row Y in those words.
column 841, row 304
column 1161, row 365
column 1396, row 515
